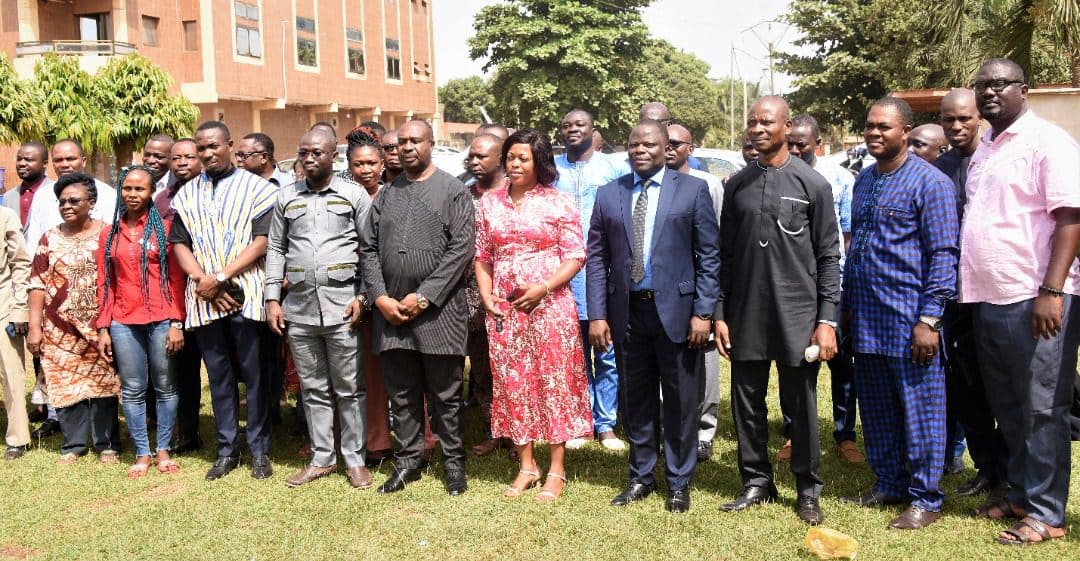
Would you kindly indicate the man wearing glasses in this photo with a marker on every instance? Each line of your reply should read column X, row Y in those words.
column 1018, row 267
column 391, row 160
column 255, row 153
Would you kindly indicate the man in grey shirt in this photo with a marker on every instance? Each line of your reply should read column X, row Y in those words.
column 314, row 237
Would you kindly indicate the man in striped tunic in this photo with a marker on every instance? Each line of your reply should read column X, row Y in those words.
column 220, row 230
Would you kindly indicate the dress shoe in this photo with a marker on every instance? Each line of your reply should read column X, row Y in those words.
column 914, row 518
column 375, row 459
column 307, row 474
column 809, row 510
column 398, row 480
column 678, row 500
column 260, row 467
column 184, row 445
column 37, row 415
column 704, row 451
column 222, row 466
column 359, row 477
column 16, row 452
column 47, row 429
column 633, row 492
column 455, row 482
column 751, row 495
column 975, row 486
column 850, row 453
column 954, row 465
column 876, row 498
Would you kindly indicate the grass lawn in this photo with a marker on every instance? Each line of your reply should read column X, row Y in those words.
column 91, row 511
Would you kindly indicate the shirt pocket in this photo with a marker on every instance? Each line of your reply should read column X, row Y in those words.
column 342, row 273
column 296, row 275
column 295, row 211
column 792, row 217
column 897, row 224
column 339, row 215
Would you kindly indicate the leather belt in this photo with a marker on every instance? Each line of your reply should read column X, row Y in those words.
column 644, row 295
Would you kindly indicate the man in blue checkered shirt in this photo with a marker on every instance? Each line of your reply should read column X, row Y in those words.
column 900, row 272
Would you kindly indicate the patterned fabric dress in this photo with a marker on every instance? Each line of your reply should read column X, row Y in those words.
column 538, row 367
column 65, row 269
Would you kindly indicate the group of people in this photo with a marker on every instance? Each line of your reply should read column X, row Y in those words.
column 587, row 289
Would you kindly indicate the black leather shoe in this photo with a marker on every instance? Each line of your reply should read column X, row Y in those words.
column 455, row 482
column 875, row 498
column 184, row 445
column 704, row 451
column 809, row 510
column 37, row 415
column 16, row 452
column 633, row 492
column 47, row 429
column 398, row 480
column 260, row 467
column 678, row 500
column 975, row 486
column 751, row 495
column 222, row 466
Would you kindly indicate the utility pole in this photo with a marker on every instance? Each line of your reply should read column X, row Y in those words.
column 731, row 105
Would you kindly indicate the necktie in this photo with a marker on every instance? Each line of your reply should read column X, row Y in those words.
column 641, row 208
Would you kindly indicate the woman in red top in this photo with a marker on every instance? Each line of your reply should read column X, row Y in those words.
column 141, row 289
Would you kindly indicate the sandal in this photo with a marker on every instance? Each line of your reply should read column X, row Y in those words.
column 514, row 491
column 109, row 457
column 1021, row 533
column 167, row 466
column 547, row 495
column 139, row 469
column 998, row 509
column 67, row 459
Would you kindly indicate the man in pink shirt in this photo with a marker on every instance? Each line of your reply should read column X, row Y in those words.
column 1018, row 266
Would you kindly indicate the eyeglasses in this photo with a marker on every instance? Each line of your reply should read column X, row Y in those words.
column 246, row 155
column 997, row 85
column 317, row 154
column 676, row 144
column 389, row 147
column 70, row 201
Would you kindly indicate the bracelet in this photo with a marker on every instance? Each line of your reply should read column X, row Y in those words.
column 1051, row 291
column 547, row 289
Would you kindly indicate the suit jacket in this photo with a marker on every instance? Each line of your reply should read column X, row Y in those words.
column 685, row 260
column 13, row 200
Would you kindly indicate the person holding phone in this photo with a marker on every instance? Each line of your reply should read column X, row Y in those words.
column 141, row 323
column 529, row 244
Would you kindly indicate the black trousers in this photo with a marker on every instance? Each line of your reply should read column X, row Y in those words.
column 965, row 394
column 648, row 363
column 96, row 418
column 798, row 398
column 218, row 341
column 409, row 377
column 273, row 369
column 189, row 387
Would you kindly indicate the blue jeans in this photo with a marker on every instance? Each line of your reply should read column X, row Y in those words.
column 141, row 358
column 603, row 383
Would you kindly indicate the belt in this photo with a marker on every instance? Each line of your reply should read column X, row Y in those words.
column 644, row 295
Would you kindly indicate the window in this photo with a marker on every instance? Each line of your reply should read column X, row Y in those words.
column 393, row 59
column 307, row 53
column 191, row 35
column 94, row 27
column 354, row 44
column 149, row 31
column 248, row 36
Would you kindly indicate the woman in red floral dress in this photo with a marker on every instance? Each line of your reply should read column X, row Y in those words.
column 528, row 247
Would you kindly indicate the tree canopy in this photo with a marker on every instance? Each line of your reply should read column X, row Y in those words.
column 20, row 113
column 462, row 99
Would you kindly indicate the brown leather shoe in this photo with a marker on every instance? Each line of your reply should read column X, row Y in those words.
column 308, row 474
column 359, row 477
column 784, row 455
column 850, row 453
column 914, row 518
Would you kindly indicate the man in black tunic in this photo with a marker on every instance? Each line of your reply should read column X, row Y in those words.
column 780, row 286
column 415, row 250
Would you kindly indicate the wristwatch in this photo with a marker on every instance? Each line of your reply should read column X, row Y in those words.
column 830, row 323
column 220, row 277
column 177, row 325
column 421, row 301
column 706, row 317
column 933, row 322
column 362, row 298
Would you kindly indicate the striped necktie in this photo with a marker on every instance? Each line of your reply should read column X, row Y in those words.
column 641, row 208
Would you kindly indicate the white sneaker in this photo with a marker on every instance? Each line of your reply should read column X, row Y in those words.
column 576, row 443
column 613, row 444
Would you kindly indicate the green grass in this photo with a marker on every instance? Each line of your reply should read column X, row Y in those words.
column 91, row 511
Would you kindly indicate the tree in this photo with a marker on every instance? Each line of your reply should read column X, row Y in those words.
column 681, row 81
column 21, row 118
column 67, row 100
column 135, row 93
column 550, row 56
column 462, row 99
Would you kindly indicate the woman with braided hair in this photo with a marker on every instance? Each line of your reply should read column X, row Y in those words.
column 141, row 290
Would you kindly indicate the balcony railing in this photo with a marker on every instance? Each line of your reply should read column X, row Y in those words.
column 100, row 48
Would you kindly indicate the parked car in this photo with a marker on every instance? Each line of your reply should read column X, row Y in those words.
column 721, row 163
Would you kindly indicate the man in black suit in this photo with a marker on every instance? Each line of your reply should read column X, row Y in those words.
column 652, row 282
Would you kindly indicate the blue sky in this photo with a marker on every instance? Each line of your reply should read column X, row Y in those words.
column 706, row 28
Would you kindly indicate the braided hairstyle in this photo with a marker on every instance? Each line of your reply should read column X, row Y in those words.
column 356, row 138
column 154, row 226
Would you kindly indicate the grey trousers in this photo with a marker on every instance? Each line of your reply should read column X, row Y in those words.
column 327, row 359
column 1029, row 384
column 709, row 371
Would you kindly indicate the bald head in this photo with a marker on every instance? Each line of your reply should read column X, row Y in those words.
column 960, row 120
column 774, row 103
column 928, row 141
column 656, row 111
column 320, row 138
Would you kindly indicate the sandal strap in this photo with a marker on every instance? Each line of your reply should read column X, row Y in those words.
column 558, row 475
column 1037, row 527
column 529, row 472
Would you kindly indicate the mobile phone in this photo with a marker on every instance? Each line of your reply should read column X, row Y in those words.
column 11, row 330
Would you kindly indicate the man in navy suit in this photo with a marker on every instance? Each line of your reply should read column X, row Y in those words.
column 652, row 278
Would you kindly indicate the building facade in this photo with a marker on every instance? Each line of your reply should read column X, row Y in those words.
column 275, row 66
